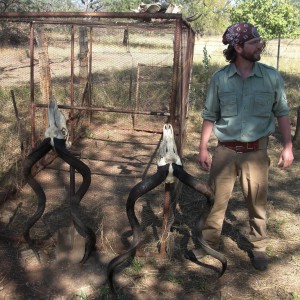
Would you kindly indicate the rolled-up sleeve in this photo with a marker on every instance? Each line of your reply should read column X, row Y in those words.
column 245, row 110
column 211, row 109
column 280, row 107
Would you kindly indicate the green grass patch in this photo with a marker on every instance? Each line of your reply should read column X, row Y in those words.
column 175, row 278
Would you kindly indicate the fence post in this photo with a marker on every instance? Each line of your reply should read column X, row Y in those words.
column 278, row 51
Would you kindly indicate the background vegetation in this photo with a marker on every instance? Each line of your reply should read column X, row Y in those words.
column 209, row 58
column 272, row 17
column 177, row 278
column 151, row 277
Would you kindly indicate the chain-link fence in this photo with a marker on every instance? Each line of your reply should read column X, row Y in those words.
column 109, row 72
column 280, row 53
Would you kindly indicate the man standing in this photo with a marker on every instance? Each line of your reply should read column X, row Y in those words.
column 243, row 100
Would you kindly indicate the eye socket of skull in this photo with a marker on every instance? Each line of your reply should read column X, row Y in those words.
column 64, row 131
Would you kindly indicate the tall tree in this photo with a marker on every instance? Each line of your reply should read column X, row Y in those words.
column 37, row 5
column 214, row 14
column 9, row 5
column 272, row 17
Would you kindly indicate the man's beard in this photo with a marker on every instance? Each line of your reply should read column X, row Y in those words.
column 251, row 57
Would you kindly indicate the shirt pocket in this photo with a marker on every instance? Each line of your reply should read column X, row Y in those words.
column 228, row 104
column 263, row 103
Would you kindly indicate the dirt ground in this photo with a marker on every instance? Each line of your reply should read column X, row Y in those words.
column 116, row 166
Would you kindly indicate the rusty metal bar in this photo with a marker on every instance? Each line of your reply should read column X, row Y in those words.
column 76, row 15
column 32, row 85
column 90, row 78
column 175, row 102
column 166, row 216
column 179, row 99
column 186, row 70
column 152, row 113
column 72, row 85
column 191, row 46
column 175, row 73
column 137, row 91
column 152, row 26
column 187, row 80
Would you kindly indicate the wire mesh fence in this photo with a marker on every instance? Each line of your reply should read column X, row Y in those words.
column 282, row 53
column 107, row 72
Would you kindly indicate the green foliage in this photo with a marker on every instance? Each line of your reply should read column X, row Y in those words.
column 136, row 265
column 294, row 296
column 214, row 14
column 121, row 5
column 206, row 59
column 81, row 296
column 201, row 285
column 9, row 5
column 200, row 80
column 175, row 279
column 204, row 75
column 271, row 17
column 103, row 292
column 37, row 5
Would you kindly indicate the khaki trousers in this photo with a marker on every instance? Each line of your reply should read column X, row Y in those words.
column 252, row 169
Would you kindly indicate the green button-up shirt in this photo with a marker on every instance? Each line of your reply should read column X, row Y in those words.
column 245, row 110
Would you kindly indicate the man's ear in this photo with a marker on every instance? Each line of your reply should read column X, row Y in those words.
column 238, row 48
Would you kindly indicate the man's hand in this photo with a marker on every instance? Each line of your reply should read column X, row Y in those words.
column 204, row 159
column 203, row 156
column 286, row 158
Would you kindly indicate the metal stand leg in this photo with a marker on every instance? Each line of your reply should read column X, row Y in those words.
column 166, row 215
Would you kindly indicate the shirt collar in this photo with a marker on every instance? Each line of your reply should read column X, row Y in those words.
column 255, row 71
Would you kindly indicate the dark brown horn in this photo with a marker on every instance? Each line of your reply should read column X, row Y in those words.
column 85, row 172
column 136, row 192
column 31, row 159
column 193, row 17
column 204, row 189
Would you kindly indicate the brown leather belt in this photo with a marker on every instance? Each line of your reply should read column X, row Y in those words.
column 241, row 147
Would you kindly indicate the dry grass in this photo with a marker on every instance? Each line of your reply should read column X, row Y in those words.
column 151, row 277
column 289, row 52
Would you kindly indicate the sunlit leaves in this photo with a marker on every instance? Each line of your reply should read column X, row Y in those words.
column 271, row 17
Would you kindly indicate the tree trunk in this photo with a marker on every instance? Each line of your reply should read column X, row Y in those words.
column 44, row 67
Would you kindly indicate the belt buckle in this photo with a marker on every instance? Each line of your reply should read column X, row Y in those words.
column 250, row 148
column 237, row 149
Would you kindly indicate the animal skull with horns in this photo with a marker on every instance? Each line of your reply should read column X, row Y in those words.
column 57, row 125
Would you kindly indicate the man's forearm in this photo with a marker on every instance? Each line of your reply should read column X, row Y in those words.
column 207, row 128
column 285, row 130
